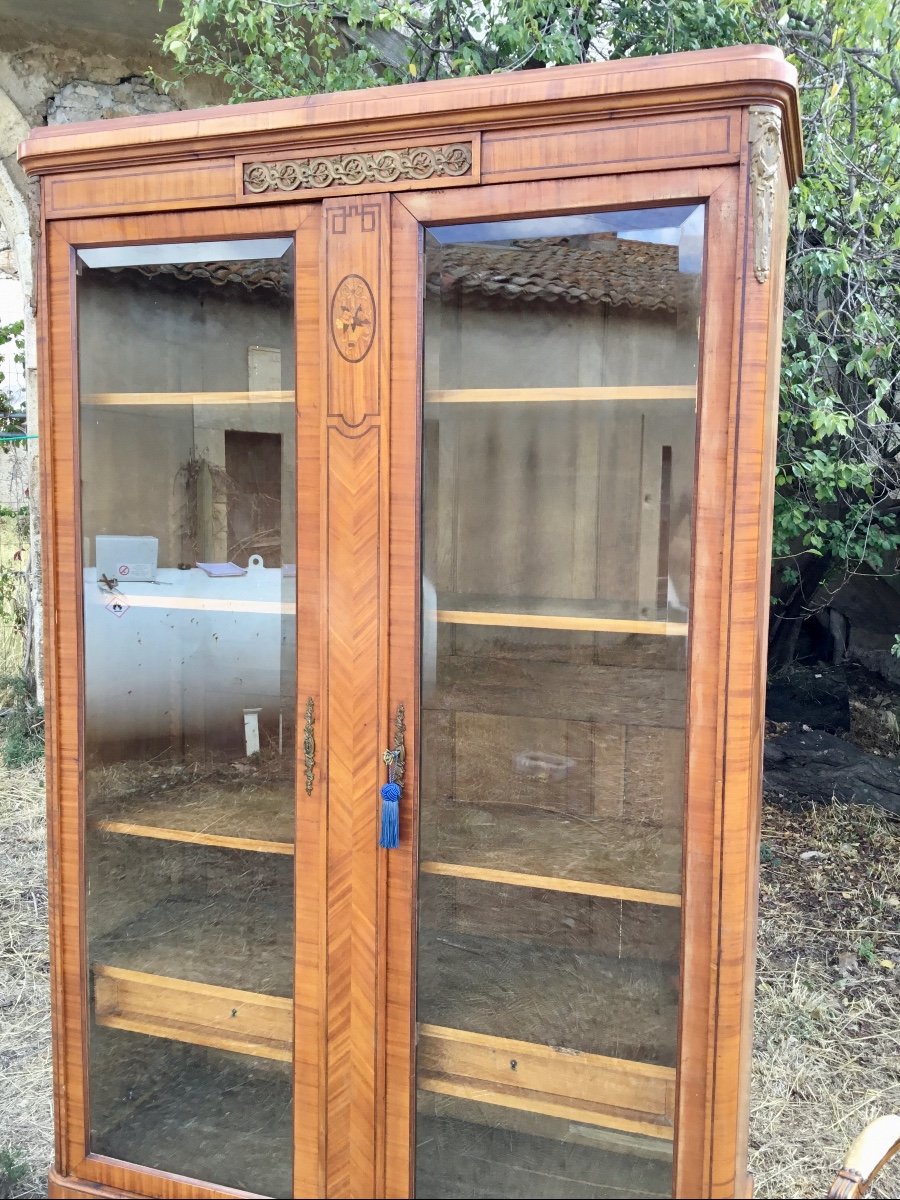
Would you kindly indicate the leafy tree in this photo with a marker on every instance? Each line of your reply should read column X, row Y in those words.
column 12, row 411
column 268, row 48
column 838, row 479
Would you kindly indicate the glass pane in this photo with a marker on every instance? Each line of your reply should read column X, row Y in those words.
column 559, row 442
column 187, row 453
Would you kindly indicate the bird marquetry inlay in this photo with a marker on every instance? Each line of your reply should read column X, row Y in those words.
column 353, row 318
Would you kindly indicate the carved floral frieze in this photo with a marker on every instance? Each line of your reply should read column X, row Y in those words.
column 355, row 169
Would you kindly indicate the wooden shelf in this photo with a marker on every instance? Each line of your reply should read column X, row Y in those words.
column 133, row 399
column 526, row 847
column 245, row 815
column 200, row 1014
column 623, row 1008
column 578, row 615
column 559, row 621
column 561, row 395
column 193, row 837
column 214, row 971
column 550, row 883
column 592, row 1089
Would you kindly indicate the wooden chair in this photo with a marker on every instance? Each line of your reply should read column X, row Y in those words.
column 875, row 1146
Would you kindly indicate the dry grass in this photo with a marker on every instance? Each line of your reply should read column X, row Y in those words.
column 827, row 1052
column 828, row 1009
column 25, row 1116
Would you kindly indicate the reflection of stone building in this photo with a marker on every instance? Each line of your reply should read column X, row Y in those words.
column 62, row 61
column 209, row 479
column 576, row 312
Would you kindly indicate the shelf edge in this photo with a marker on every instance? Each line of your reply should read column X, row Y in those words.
column 552, row 883
column 194, row 838
column 561, row 395
column 463, row 616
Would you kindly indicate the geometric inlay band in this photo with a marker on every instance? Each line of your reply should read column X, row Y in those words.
column 351, row 170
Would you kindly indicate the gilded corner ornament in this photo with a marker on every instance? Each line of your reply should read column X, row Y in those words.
column 353, row 170
column 765, row 148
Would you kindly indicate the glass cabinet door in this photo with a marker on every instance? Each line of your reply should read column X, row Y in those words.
column 188, row 463
column 560, row 377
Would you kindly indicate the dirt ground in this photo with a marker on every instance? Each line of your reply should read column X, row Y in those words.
column 827, row 1056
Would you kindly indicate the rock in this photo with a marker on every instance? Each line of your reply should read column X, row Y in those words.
column 814, row 696
column 882, row 663
column 84, row 100
column 820, row 766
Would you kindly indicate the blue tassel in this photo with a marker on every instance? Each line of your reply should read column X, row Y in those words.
column 390, row 817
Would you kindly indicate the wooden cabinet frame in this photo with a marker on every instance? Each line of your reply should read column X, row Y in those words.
column 677, row 129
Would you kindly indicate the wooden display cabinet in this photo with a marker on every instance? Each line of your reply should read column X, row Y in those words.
column 475, row 385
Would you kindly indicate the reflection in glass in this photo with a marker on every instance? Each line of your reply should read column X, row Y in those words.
column 187, row 455
column 559, row 435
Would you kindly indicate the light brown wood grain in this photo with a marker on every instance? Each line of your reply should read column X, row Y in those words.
column 562, row 395
column 157, row 1183
column 518, row 620
column 192, row 398
column 624, row 143
column 310, row 838
column 582, row 1111
column 756, row 350
column 61, row 1188
column 609, row 1092
column 63, row 575
column 395, row 1131
column 194, row 838
column 552, row 883
column 356, row 242
column 694, row 1148
column 201, row 1014
column 689, row 83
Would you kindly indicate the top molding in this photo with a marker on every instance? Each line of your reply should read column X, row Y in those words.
column 699, row 80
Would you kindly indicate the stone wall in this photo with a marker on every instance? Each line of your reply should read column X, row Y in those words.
column 82, row 100
column 90, row 65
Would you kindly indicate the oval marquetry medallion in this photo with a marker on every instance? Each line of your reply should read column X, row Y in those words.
column 353, row 318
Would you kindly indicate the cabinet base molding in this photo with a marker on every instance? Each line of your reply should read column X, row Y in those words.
column 61, row 1187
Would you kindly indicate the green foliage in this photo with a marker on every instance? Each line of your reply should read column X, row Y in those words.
column 13, row 1169
column 269, row 48
column 13, row 568
column 837, row 479
column 12, row 414
column 838, row 475
column 21, row 726
column 767, row 855
column 865, row 950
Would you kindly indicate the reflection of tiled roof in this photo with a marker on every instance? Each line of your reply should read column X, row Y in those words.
column 597, row 269
column 263, row 273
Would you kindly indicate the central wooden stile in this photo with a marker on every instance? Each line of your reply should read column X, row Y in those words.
column 355, row 308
